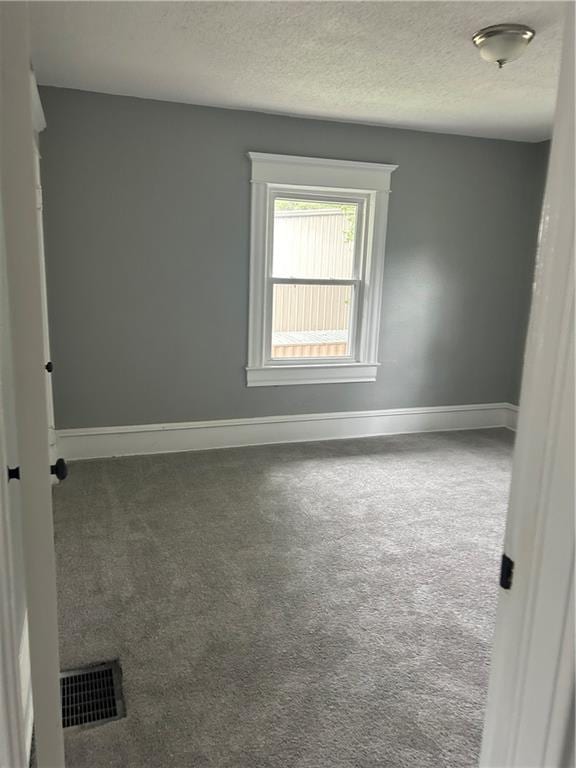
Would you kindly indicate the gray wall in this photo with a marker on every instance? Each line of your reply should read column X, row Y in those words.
column 147, row 250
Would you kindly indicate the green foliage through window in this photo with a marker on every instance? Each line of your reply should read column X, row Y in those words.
column 350, row 211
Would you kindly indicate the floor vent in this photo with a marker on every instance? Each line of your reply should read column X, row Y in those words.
column 92, row 695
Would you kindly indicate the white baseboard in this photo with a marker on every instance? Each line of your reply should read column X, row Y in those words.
column 100, row 442
column 512, row 416
column 26, row 687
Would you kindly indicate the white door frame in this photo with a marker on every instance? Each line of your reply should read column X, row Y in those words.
column 39, row 124
column 13, row 746
column 529, row 717
column 25, row 286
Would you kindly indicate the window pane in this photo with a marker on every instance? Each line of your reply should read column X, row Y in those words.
column 314, row 239
column 311, row 320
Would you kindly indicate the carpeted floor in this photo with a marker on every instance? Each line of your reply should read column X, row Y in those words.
column 320, row 605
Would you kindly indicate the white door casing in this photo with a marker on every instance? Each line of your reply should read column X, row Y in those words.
column 45, row 327
column 529, row 717
column 39, row 124
column 25, row 286
column 13, row 750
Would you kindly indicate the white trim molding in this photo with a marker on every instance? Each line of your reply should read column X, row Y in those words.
column 511, row 416
column 273, row 375
column 38, row 118
column 26, row 687
column 367, row 185
column 102, row 442
column 303, row 172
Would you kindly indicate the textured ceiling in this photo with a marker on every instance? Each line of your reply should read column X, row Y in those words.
column 408, row 64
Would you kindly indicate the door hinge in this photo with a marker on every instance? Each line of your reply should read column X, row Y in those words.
column 13, row 473
column 49, row 366
column 506, row 571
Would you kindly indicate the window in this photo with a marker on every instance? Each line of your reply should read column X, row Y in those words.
column 317, row 254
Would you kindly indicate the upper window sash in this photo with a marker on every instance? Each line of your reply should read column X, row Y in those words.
column 276, row 192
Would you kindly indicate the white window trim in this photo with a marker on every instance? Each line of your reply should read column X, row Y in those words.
column 370, row 182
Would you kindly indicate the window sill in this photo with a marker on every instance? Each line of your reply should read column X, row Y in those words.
column 333, row 373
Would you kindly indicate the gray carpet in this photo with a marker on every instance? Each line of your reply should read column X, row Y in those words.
column 321, row 605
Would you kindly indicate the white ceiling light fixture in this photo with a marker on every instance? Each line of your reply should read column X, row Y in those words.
column 502, row 43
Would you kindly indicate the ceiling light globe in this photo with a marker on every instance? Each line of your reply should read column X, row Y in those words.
column 502, row 43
